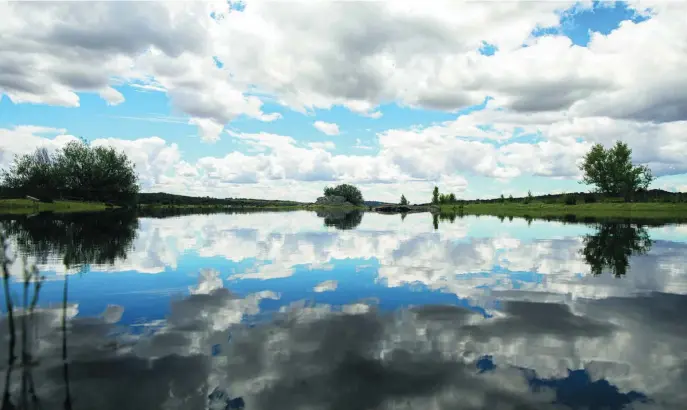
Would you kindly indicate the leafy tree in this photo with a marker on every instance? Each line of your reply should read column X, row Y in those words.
column 510, row 198
column 452, row 198
column 350, row 192
column 529, row 197
column 404, row 201
column 435, row 195
column 78, row 169
column 502, row 199
column 612, row 172
column 37, row 170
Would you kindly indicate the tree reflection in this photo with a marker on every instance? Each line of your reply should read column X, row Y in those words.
column 78, row 239
column 613, row 244
column 341, row 219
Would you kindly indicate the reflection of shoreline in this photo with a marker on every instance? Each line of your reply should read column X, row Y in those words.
column 612, row 246
column 341, row 219
column 78, row 239
column 467, row 257
column 452, row 215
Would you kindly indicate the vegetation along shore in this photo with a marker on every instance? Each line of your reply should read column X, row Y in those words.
column 84, row 178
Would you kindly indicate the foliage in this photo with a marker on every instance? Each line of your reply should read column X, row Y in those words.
column 350, row 192
column 589, row 198
column 612, row 172
column 78, row 169
column 160, row 198
column 435, row 195
column 404, row 201
column 570, row 200
column 502, row 199
column 529, row 197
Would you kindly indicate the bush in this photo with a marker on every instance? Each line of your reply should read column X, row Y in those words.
column 351, row 193
column 570, row 200
column 589, row 198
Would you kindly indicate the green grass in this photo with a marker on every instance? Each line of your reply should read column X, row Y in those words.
column 677, row 211
column 27, row 206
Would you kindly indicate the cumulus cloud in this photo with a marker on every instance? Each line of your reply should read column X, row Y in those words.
column 327, row 127
column 550, row 99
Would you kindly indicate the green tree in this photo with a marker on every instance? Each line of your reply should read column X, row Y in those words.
column 78, row 169
column 404, row 201
column 37, row 170
column 502, row 199
column 350, row 192
column 612, row 172
column 435, row 195
column 452, row 198
column 529, row 197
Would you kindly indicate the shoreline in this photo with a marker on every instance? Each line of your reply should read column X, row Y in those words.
column 27, row 206
column 639, row 210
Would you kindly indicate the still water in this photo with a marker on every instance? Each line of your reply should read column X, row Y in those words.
column 301, row 310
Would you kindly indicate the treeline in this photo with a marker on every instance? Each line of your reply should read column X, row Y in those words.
column 161, row 198
column 572, row 198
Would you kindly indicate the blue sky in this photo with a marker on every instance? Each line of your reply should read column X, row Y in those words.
column 399, row 130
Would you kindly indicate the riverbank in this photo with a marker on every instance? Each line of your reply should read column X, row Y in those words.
column 645, row 210
column 27, row 206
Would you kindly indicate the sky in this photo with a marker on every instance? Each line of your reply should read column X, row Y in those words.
column 279, row 99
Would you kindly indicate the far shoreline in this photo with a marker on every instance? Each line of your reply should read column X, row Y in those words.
column 535, row 210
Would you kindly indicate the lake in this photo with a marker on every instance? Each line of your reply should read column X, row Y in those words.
column 332, row 310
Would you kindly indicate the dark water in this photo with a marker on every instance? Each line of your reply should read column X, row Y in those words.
column 342, row 311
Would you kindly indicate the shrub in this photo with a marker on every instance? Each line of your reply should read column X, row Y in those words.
column 351, row 193
column 570, row 200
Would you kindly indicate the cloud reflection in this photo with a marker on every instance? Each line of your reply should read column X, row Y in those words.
column 621, row 350
column 471, row 257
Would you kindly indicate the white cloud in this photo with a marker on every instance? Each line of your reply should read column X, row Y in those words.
column 359, row 55
column 208, row 129
column 327, row 145
column 327, row 127
column 112, row 96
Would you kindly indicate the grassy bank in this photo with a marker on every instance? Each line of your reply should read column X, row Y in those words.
column 596, row 210
column 26, row 206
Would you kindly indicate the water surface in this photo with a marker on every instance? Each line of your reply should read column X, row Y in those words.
column 303, row 310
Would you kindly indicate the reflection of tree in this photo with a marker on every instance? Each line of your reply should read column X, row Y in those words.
column 341, row 219
column 613, row 244
column 85, row 238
